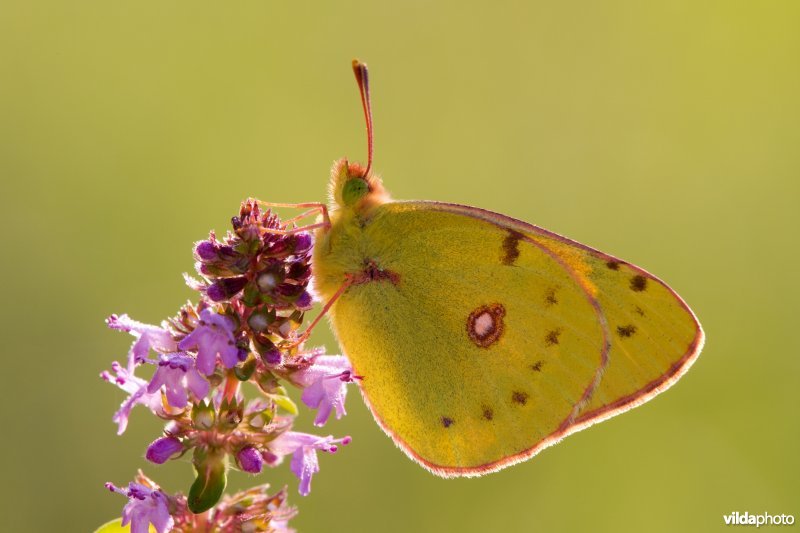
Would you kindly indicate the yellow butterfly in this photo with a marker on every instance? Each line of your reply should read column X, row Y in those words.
column 482, row 339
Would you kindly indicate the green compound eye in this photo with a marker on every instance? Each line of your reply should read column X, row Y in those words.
column 354, row 189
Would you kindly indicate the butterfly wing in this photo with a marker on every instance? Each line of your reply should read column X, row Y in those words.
column 483, row 339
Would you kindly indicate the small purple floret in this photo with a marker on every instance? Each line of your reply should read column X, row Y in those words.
column 161, row 450
column 178, row 374
column 212, row 337
column 303, row 448
column 325, row 383
column 136, row 388
column 147, row 337
column 145, row 506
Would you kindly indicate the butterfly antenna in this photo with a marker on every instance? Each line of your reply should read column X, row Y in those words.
column 362, row 77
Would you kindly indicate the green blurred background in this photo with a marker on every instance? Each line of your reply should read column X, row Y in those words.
column 665, row 133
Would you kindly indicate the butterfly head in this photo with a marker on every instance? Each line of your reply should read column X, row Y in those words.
column 355, row 187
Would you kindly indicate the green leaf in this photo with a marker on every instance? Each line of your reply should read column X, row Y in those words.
column 211, row 468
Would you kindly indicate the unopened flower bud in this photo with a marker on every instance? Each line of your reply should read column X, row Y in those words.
column 302, row 243
column 304, row 301
column 161, row 450
column 250, row 460
column 289, row 291
column 224, row 288
column 272, row 356
column 206, row 251
column 269, row 353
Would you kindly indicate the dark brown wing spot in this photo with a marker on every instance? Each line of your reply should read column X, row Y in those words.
column 488, row 413
column 511, row 247
column 626, row 331
column 550, row 297
column 447, row 421
column 638, row 283
column 519, row 397
column 485, row 324
column 552, row 337
column 613, row 265
column 372, row 272
column 537, row 366
column 639, row 311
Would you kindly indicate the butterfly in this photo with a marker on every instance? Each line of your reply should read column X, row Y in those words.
column 482, row 339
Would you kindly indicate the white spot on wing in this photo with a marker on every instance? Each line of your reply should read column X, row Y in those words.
column 484, row 324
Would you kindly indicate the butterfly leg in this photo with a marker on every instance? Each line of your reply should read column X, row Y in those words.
column 301, row 216
column 296, row 230
column 315, row 207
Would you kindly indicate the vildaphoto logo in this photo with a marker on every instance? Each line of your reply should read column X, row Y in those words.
column 764, row 519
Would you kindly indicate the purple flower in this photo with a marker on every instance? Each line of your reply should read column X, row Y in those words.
column 250, row 460
column 160, row 450
column 214, row 335
column 303, row 448
column 147, row 337
column 325, row 383
column 177, row 372
column 137, row 389
column 145, row 506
